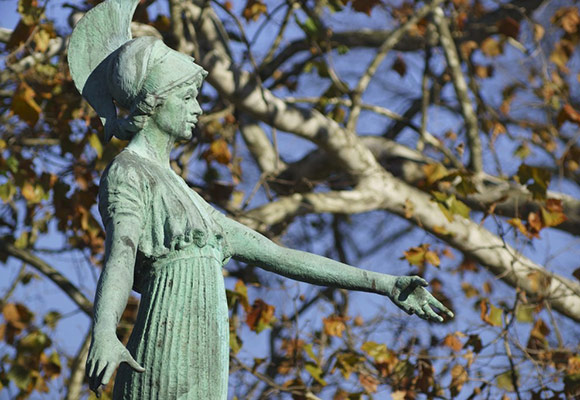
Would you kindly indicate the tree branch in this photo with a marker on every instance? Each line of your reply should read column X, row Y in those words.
column 56, row 277
column 472, row 130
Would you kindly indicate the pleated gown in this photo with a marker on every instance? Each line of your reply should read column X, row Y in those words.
column 181, row 333
column 181, row 336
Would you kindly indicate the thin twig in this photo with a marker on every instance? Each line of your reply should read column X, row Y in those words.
column 387, row 45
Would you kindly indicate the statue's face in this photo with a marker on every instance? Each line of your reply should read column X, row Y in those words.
column 178, row 114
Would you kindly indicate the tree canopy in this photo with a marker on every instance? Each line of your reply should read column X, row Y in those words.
column 438, row 138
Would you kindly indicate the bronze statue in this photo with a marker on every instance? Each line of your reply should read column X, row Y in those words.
column 163, row 239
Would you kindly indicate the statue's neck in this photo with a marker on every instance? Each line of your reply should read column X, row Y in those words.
column 153, row 145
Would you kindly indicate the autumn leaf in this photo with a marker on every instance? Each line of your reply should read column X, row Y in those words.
column 218, row 151
column 459, row 377
column 17, row 315
column 552, row 214
column 334, row 325
column 24, row 104
column 315, row 371
column 509, row 27
column 491, row 47
column 365, row 6
column 399, row 66
column 347, row 363
column 568, row 114
column 490, row 314
column 434, row 172
column 368, row 382
column 421, row 255
column 561, row 54
column 539, row 177
column 567, row 18
column 253, row 10
column 261, row 316
column 450, row 205
column 505, row 381
column 453, row 342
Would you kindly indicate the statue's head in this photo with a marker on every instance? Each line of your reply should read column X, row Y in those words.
column 141, row 75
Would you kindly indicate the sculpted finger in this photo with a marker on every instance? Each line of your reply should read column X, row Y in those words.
column 418, row 281
column 432, row 314
column 108, row 373
column 93, row 376
column 434, row 302
column 132, row 363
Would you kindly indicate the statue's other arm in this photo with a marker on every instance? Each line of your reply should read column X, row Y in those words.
column 106, row 351
column 407, row 292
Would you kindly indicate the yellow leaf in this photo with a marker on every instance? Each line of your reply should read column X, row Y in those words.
column 334, row 325
column 96, row 144
column 434, row 172
column 469, row 290
column 538, row 32
column 315, row 372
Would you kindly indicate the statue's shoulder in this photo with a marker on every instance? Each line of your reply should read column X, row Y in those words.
column 127, row 168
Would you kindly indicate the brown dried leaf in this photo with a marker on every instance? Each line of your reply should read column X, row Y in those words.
column 399, row 66
column 253, row 10
column 509, row 27
column 365, row 6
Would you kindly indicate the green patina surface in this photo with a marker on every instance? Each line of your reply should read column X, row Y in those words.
column 163, row 239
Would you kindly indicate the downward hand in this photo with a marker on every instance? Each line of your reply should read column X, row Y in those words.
column 105, row 355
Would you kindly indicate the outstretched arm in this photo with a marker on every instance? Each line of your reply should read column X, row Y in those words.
column 407, row 292
column 106, row 351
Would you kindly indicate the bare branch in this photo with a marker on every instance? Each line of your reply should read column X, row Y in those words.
column 460, row 86
column 62, row 282
column 388, row 44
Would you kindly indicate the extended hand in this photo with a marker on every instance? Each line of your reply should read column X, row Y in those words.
column 409, row 294
column 105, row 355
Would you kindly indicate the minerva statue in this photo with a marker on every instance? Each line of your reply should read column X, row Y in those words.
column 163, row 239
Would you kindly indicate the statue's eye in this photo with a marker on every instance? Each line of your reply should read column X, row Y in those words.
column 187, row 98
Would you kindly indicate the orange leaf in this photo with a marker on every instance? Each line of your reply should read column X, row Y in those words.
column 568, row 113
column 453, row 342
column 218, row 151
